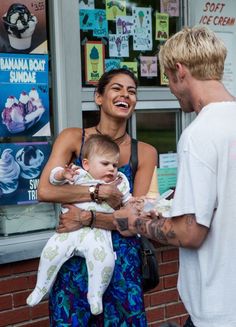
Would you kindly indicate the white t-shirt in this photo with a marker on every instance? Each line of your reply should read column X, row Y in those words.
column 206, row 186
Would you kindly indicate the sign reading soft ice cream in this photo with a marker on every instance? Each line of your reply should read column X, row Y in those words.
column 24, row 100
column 20, row 168
column 221, row 18
column 23, row 26
column 94, row 65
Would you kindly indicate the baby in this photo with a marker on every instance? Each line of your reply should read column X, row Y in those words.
column 100, row 158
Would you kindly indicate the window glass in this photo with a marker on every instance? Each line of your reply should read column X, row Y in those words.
column 126, row 35
column 159, row 129
column 25, row 116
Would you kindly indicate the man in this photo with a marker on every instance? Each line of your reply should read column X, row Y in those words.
column 203, row 214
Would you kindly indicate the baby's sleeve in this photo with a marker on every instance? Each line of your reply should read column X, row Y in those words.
column 52, row 178
column 124, row 187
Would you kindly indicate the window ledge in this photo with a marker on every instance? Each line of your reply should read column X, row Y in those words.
column 23, row 247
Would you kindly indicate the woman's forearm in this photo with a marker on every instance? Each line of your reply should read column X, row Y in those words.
column 104, row 221
column 63, row 193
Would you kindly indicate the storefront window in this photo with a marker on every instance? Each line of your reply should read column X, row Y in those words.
column 26, row 116
column 126, row 34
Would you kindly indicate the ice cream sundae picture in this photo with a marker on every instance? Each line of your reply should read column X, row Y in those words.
column 20, row 25
column 21, row 114
column 30, row 160
column 9, row 172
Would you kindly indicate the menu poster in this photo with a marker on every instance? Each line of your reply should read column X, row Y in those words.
column 94, row 20
column 167, row 178
column 124, row 25
column 163, row 77
column 162, row 27
column 20, row 167
column 115, row 8
column 24, row 98
column 118, row 45
column 100, row 23
column 86, row 19
column 142, row 30
column 94, row 61
column 23, row 26
column 112, row 64
column 171, row 7
column 148, row 66
column 86, row 4
column 130, row 65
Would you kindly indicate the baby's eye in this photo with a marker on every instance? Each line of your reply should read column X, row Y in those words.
column 115, row 165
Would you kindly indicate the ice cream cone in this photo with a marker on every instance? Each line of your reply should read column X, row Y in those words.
column 153, row 189
column 141, row 17
column 114, row 12
column 94, row 64
column 165, row 4
column 149, row 64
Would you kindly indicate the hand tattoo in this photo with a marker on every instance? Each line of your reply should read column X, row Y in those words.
column 122, row 224
column 140, row 225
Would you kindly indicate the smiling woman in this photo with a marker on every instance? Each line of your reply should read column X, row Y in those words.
column 116, row 97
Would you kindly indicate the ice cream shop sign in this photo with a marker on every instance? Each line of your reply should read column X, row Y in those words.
column 214, row 14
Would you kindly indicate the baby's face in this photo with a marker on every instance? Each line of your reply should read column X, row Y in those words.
column 103, row 167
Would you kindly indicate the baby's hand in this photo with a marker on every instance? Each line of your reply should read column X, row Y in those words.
column 70, row 171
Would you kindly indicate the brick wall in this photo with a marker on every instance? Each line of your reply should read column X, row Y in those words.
column 17, row 280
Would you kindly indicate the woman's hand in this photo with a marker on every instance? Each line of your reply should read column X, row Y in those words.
column 111, row 194
column 74, row 219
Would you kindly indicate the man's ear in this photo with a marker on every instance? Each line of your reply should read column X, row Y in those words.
column 181, row 71
column 85, row 164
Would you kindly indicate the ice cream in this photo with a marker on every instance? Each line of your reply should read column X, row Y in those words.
column 114, row 11
column 119, row 29
column 9, row 172
column 94, row 58
column 153, row 189
column 118, row 45
column 19, row 115
column 20, row 25
column 149, row 64
column 100, row 22
column 30, row 160
column 165, row 4
column 141, row 17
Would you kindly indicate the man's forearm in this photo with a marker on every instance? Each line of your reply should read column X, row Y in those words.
column 159, row 229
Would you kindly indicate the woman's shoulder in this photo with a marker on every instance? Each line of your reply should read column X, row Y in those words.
column 146, row 149
column 71, row 131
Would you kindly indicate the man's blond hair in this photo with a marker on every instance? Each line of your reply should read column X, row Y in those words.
column 199, row 49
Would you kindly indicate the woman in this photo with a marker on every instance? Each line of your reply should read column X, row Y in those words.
column 116, row 96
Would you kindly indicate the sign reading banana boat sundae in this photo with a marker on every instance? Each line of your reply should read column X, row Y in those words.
column 20, row 115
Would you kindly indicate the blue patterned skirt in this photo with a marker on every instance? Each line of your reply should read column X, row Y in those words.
column 122, row 302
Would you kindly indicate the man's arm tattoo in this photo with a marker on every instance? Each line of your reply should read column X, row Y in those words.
column 140, row 225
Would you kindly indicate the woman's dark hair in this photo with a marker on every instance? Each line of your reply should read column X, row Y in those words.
column 107, row 77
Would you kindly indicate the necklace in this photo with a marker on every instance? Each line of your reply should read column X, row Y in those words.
column 116, row 139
